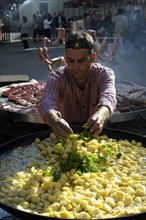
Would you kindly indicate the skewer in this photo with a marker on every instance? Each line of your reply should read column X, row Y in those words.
column 50, row 48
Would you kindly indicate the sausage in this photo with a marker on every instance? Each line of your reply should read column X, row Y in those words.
column 40, row 54
column 113, row 49
column 45, row 52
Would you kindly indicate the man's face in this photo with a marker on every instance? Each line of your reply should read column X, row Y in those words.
column 78, row 62
column 96, row 15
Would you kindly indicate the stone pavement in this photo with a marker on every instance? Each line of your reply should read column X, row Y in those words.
column 14, row 61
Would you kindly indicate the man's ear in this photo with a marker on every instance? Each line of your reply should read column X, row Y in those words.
column 93, row 57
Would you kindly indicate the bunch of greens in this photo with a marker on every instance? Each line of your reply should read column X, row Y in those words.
column 83, row 163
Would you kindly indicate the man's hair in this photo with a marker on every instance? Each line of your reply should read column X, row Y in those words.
column 80, row 40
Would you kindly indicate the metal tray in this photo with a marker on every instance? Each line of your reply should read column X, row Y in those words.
column 24, row 113
column 128, row 116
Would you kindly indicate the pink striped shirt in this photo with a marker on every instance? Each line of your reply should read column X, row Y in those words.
column 62, row 94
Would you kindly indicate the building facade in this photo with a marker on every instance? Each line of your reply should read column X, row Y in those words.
column 30, row 7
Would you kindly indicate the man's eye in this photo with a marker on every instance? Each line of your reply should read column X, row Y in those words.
column 70, row 61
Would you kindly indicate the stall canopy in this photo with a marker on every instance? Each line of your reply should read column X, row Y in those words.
column 6, row 3
column 95, row 3
column 87, row 3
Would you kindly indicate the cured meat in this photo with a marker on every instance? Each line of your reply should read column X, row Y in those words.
column 25, row 94
column 8, row 92
column 22, row 102
column 13, row 98
column 136, row 94
column 31, row 99
column 24, row 98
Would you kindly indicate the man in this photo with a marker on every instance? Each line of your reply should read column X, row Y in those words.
column 121, row 27
column 60, row 20
column 79, row 92
column 96, row 24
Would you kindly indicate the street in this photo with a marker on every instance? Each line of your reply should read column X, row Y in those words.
column 129, row 68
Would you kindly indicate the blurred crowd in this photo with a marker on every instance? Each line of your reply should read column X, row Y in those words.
column 128, row 26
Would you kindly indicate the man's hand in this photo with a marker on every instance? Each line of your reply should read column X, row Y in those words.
column 59, row 126
column 96, row 122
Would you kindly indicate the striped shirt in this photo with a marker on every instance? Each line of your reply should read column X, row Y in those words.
column 62, row 94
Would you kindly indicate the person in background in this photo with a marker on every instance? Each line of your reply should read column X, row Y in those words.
column 109, row 25
column 87, row 19
column 121, row 27
column 24, row 29
column 35, row 27
column 40, row 25
column 47, row 26
column 81, row 23
column 138, row 28
column 84, row 22
column 53, row 28
column 60, row 20
column 80, row 91
column 96, row 24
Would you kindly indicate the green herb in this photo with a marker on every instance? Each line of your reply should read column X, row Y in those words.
column 85, row 126
column 74, row 136
column 102, row 158
column 48, row 172
column 109, row 151
column 55, row 175
column 119, row 155
column 86, row 134
column 79, row 173
column 84, row 163
column 60, row 143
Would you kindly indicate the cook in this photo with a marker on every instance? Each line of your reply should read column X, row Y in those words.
column 82, row 91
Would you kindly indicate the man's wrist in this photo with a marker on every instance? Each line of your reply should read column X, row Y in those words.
column 51, row 117
column 104, row 112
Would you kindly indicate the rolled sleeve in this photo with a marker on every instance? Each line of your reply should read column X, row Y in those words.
column 49, row 96
column 107, row 90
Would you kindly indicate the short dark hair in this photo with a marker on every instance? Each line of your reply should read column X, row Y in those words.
column 79, row 40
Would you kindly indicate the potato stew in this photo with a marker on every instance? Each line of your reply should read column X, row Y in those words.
column 80, row 178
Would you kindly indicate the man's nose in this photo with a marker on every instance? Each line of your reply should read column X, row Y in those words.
column 76, row 65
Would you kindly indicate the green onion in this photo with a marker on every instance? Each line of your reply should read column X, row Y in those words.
column 119, row 155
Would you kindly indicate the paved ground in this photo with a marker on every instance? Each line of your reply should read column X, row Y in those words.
column 14, row 61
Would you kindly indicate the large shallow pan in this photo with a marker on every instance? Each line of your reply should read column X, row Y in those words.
column 25, row 140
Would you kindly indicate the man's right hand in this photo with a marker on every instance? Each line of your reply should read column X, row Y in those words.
column 59, row 126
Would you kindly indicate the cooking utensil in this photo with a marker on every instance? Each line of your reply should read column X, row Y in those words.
column 25, row 140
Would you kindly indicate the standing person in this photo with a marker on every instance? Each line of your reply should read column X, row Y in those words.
column 87, row 19
column 40, row 25
column 35, row 27
column 121, row 27
column 24, row 29
column 137, row 29
column 53, row 25
column 84, row 22
column 47, row 26
column 60, row 20
column 96, row 24
column 79, row 92
column 109, row 25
